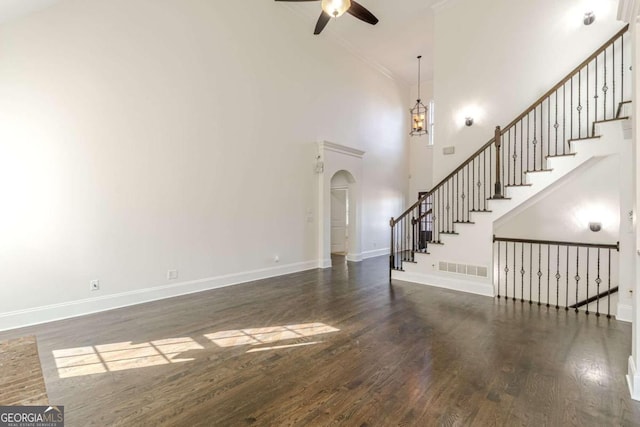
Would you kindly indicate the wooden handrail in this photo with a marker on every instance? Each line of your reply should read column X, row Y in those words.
column 566, row 79
column 558, row 243
column 514, row 122
column 441, row 183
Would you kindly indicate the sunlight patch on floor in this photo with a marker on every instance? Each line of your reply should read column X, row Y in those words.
column 258, row 336
column 73, row 362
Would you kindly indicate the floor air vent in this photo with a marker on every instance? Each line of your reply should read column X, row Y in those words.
column 468, row 270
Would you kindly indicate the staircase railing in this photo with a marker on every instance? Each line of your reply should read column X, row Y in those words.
column 593, row 92
column 571, row 275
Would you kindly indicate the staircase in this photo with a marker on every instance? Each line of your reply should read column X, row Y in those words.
column 580, row 120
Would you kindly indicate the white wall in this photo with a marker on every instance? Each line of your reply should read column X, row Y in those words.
column 420, row 152
column 494, row 58
column 564, row 211
column 140, row 136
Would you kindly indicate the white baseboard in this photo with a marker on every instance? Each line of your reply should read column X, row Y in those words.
column 624, row 313
column 375, row 253
column 50, row 313
column 456, row 284
column 354, row 257
column 325, row 263
column 633, row 380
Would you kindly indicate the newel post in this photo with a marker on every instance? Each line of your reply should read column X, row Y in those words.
column 498, row 186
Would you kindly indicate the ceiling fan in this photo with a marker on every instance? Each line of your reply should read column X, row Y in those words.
column 336, row 8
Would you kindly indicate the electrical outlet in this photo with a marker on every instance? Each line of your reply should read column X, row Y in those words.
column 276, row 258
column 172, row 274
column 94, row 285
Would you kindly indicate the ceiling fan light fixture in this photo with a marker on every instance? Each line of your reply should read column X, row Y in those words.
column 335, row 8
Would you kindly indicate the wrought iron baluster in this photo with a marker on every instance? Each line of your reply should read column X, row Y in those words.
column 548, row 271
column 522, row 272
column 609, row 288
column 530, row 273
column 571, row 109
column 556, row 125
column 613, row 78
column 528, row 143
column 539, row 272
column 595, row 97
column 549, row 125
column 535, row 141
column 564, row 119
column 473, row 187
column 521, row 150
column 598, row 281
column 557, row 276
column 587, row 99
column 506, row 270
column 498, row 269
column 622, row 68
column 579, row 107
column 577, row 276
column 514, row 271
column 587, row 312
column 457, row 178
column 566, row 302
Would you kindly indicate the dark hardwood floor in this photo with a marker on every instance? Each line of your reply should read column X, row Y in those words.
column 337, row 347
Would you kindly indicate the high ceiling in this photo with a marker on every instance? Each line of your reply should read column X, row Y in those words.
column 404, row 31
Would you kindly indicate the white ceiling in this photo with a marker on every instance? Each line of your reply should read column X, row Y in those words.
column 404, row 31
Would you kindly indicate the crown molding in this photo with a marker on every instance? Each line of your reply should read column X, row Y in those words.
column 339, row 148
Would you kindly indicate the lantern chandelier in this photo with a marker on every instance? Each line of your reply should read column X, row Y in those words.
column 419, row 112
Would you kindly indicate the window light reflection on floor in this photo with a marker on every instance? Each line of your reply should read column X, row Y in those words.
column 98, row 359
column 257, row 336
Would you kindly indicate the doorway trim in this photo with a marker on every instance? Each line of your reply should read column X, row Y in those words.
column 331, row 159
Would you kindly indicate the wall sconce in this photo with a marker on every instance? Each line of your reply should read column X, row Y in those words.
column 468, row 121
column 595, row 226
column 589, row 17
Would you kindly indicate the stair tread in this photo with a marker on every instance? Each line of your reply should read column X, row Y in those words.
column 518, row 185
column 499, row 198
column 463, row 222
column 474, row 210
column 612, row 120
column 539, row 170
column 561, row 155
column 585, row 138
column 449, row 232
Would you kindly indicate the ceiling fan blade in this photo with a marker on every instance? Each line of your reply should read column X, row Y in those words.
column 362, row 13
column 322, row 22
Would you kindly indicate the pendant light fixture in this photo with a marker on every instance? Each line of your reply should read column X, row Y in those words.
column 419, row 112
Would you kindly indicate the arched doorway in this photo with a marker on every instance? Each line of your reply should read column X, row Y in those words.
column 340, row 175
column 342, row 218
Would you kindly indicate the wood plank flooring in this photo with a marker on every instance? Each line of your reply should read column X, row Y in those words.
column 337, row 347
